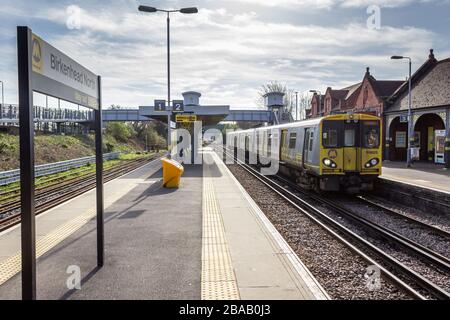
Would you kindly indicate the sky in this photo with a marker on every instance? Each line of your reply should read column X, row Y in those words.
column 230, row 48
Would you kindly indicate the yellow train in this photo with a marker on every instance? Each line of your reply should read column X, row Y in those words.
column 331, row 153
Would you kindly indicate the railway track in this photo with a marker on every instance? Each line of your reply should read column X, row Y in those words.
column 394, row 213
column 350, row 238
column 57, row 194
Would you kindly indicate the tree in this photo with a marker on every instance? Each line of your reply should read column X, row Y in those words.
column 121, row 131
column 289, row 99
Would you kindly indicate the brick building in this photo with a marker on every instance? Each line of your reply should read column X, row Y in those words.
column 369, row 96
column 389, row 99
column 430, row 104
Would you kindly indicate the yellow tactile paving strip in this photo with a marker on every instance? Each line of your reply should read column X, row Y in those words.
column 218, row 279
column 12, row 265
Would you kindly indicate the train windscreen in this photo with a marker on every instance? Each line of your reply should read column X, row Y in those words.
column 365, row 133
column 330, row 134
column 371, row 133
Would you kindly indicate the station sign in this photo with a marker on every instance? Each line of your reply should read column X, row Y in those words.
column 185, row 118
column 44, row 69
column 178, row 106
column 55, row 74
column 160, row 105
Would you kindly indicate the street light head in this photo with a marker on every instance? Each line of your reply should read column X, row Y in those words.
column 189, row 10
column 396, row 57
column 147, row 9
column 313, row 91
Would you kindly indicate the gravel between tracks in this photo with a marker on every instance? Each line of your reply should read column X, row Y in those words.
column 438, row 220
column 411, row 230
column 340, row 271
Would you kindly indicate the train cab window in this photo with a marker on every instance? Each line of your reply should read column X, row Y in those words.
column 330, row 135
column 311, row 140
column 292, row 140
column 371, row 134
column 349, row 138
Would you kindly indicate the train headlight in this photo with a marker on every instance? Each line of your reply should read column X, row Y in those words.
column 329, row 163
column 372, row 162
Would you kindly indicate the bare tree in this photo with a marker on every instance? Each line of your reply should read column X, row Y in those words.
column 275, row 86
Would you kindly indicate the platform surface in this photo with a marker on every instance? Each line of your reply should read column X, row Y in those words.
column 205, row 240
column 425, row 175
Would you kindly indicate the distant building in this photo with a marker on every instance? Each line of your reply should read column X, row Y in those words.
column 368, row 96
column 389, row 99
column 431, row 113
column 317, row 106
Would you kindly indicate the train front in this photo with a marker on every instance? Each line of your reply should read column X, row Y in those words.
column 351, row 150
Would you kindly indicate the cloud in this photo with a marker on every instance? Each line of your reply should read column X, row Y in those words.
column 227, row 56
column 329, row 4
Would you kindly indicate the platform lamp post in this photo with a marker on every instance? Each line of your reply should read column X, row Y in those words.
column 320, row 97
column 189, row 10
column 410, row 127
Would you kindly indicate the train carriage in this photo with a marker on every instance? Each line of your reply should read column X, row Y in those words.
column 332, row 153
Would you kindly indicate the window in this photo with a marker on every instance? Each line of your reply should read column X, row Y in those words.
column 371, row 134
column 330, row 137
column 311, row 140
column 292, row 139
column 400, row 139
column 349, row 138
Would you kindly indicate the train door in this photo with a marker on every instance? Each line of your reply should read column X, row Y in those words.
column 351, row 130
column 308, row 146
column 284, row 144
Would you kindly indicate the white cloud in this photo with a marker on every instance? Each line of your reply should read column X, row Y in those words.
column 226, row 56
column 328, row 4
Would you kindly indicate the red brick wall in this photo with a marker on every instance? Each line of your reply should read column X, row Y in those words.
column 367, row 98
column 314, row 108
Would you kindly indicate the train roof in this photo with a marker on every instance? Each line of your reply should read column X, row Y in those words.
column 313, row 121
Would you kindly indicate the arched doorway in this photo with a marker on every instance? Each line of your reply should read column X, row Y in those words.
column 398, row 132
column 424, row 135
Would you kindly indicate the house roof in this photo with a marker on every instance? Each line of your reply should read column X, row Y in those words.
column 352, row 89
column 385, row 88
column 425, row 68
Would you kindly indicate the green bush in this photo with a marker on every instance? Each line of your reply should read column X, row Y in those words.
column 109, row 147
column 120, row 131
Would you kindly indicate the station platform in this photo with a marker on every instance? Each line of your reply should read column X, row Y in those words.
column 425, row 175
column 206, row 240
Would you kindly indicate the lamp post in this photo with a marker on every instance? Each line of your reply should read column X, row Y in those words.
column 3, row 100
column 410, row 127
column 320, row 97
column 296, row 105
column 182, row 10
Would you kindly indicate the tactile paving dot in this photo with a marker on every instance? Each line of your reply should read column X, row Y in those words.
column 218, row 279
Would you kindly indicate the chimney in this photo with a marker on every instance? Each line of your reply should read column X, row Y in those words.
column 368, row 71
column 431, row 55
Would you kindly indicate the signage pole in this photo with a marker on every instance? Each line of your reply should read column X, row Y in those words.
column 99, row 178
column 26, row 131
column 168, row 86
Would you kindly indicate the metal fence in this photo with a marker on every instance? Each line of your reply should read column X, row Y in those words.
column 46, row 114
column 7, row 177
